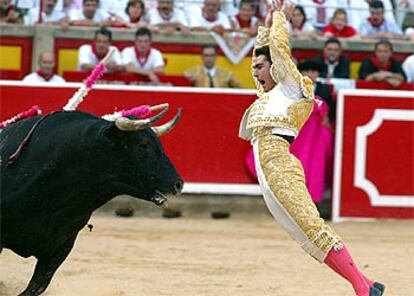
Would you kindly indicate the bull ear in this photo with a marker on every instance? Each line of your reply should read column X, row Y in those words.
column 165, row 128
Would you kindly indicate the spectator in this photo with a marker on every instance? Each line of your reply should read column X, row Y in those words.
column 133, row 16
column 209, row 18
column 376, row 26
column 319, row 12
column 245, row 21
column 339, row 26
column 333, row 63
column 299, row 25
column 89, row 15
column 141, row 58
column 382, row 67
column 10, row 13
column 359, row 11
column 46, row 72
column 312, row 69
column 166, row 18
column 90, row 55
column 405, row 14
column 50, row 14
column 408, row 67
column 208, row 75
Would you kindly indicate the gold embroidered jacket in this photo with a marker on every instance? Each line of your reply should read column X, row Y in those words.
column 288, row 105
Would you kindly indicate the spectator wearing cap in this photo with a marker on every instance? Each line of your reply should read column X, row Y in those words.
column 89, row 15
column 142, row 58
column 167, row 18
column 333, row 63
column 382, row 67
column 90, row 55
column 338, row 26
column 209, row 18
column 313, row 69
column 376, row 26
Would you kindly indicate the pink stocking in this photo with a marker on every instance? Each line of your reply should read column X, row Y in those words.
column 341, row 262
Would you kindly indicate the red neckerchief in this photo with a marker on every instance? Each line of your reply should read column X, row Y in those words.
column 374, row 25
column 165, row 17
column 141, row 61
column 242, row 23
column 319, row 1
column 377, row 64
column 45, row 77
column 213, row 19
column 99, row 57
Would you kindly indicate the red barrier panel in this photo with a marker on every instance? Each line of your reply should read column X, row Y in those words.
column 204, row 146
column 127, row 78
column 374, row 168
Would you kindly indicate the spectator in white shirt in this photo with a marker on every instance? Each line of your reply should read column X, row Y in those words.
column 90, row 55
column 141, row 58
column 133, row 16
column 46, row 72
column 89, row 15
column 408, row 66
column 50, row 14
column 209, row 18
column 377, row 26
column 299, row 24
column 358, row 11
column 319, row 12
column 245, row 21
column 166, row 18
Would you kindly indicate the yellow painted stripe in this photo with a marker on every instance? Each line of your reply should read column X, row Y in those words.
column 67, row 60
column 354, row 69
column 10, row 57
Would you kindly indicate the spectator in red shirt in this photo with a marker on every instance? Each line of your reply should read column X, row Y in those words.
column 339, row 26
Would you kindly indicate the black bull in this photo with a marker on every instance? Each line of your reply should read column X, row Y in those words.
column 73, row 163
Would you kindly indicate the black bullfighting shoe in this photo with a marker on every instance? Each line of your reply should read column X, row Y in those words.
column 380, row 287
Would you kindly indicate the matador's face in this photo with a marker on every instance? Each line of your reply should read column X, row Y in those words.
column 261, row 71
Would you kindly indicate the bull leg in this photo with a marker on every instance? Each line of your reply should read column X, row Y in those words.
column 46, row 268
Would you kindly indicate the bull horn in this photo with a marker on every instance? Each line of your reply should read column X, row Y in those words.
column 126, row 124
column 166, row 127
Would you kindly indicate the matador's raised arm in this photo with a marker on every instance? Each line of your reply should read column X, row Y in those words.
column 283, row 69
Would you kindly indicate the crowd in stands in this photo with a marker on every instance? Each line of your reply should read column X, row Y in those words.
column 381, row 20
column 331, row 18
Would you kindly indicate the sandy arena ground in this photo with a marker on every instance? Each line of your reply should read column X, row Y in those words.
column 244, row 255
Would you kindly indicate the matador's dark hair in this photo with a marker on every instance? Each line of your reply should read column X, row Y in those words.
column 264, row 50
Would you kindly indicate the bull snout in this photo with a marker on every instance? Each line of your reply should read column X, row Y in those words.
column 178, row 186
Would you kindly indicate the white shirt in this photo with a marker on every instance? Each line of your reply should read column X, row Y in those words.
column 87, row 56
column 324, row 11
column 33, row 16
column 253, row 23
column 197, row 20
column 358, row 11
column 77, row 15
column 154, row 17
column 408, row 66
column 36, row 78
column 113, row 7
column 306, row 28
column 154, row 59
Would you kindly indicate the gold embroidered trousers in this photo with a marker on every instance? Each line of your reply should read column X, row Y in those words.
column 282, row 182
